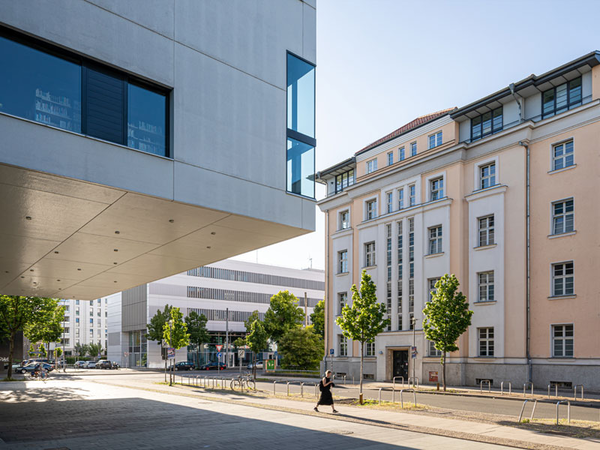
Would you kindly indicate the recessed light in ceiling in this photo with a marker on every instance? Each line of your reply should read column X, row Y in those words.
column 116, row 250
column 171, row 221
column 22, row 277
column 115, row 263
column 213, row 233
column 28, row 217
column 31, row 270
column 6, row 271
column 115, row 281
column 117, row 232
column 56, row 253
column 57, row 280
column 79, row 269
column 208, row 246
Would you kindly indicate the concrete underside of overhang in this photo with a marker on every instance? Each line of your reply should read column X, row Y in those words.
column 67, row 238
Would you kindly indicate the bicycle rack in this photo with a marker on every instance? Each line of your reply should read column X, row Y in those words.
column 402, row 399
column 380, row 396
column 555, row 390
column 522, row 409
column 413, row 381
column 394, row 387
column 287, row 385
column 274, row 388
column 316, row 390
column 533, row 410
column 575, row 391
column 502, row 388
column 481, row 386
column 568, row 410
column 525, row 385
column 302, row 390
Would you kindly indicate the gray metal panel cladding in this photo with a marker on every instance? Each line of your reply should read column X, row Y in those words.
column 114, row 338
column 104, row 106
column 134, row 307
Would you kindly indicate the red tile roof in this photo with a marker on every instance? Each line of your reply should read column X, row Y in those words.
column 406, row 128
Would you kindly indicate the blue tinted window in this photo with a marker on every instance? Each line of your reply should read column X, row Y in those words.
column 300, row 96
column 300, row 168
column 38, row 86
column 146, row 120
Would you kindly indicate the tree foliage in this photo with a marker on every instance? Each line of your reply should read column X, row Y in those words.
column 196, row 327
column 42, row 350
column 283, row 314
column 175, row 332
column 317, row 318
column 257, row 338
column 446, row 317
column 364, row 319
column 17, row 312
column 157, row 324
column 58, row 352
column 81, row 349
column 301, row 348
column 95, row 349
column 48, row 326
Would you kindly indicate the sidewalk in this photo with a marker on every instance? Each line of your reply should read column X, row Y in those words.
column 482, row 432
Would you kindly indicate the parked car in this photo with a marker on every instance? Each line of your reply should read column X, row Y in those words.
column 259, row 365
column 30, row 367
column 184, row 365
column 213, row 366
column 104, row 364
column 79, row 364
column 90, row 365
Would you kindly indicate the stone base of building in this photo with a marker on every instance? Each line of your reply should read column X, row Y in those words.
column 350, row 368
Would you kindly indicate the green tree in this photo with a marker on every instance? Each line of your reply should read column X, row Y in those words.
column 317, row 318
column 81, row 350
column 42, row 350
column 31, row 351
column 301, row 348
column 283, row 314
column 250, row 320
column 95, row 349
column 57, row 354
column 446, row 317
column 257, row 339
column 175, row 334
column 16, row 312
column 47, row 329
column 364, row 320
column 196, row 326
column 155, row 331
column 239, row 342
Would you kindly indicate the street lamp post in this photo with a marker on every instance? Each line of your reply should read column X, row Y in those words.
column 414, row 325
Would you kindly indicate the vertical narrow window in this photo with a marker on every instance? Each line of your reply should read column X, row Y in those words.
column 437, row 189
column 146, row 119
column 344, row 220
column 343, row 261
column 390, row 204
column 371, row 209
column 401, row 155
column 369, row 254
column 400, row 274
column 411, row 271
column 486, row 286
column 563, row 279
column 435, row 240
column 388, row 267
column 432, row 289
column 562, row 216
column 343, row 345
column 562, row 341
column 413, row 149
column 372, row 165
column 412, row 196
column 390, row 157
column 562, row 155
column 432, row 351
column 486, row 341
column 400, row 199
column 300, row 127
column 487, row 176
column 342, row 301
column 486, row 231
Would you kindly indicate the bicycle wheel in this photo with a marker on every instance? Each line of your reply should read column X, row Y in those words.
column 251, row 384
column 235, row 384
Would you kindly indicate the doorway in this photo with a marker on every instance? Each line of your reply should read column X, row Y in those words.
column 400, row 364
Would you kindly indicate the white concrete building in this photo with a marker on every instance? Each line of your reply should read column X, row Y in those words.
column 236, row 287
column 86, row 322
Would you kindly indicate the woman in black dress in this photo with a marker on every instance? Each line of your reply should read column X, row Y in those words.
column 326, row 397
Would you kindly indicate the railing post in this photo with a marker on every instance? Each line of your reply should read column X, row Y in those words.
column 502, row 388
column 415, row 397
column 522, row 409
column 509, row 388
column 568, row 412
column 401, row 399
column 380, row 396
column 302, row 390
column 288, row 388
column 274, row 388
column 549, row 391
column 533, row 410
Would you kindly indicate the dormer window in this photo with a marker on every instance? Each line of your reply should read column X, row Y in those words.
column 561, row 98
column 489, row 123
column 344, row 180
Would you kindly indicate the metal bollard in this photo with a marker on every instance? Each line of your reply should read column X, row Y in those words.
column 302, row 390
column 380, row 396
column 288, row 388
column 274, row 389
column 316, row 390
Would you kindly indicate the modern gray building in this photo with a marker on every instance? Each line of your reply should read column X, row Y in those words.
column 142, row 139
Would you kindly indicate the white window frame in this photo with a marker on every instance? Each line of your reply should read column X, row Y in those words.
column 371, row 209
column 413, row 148
column 436, row 193
column 412, row 195
column 370, row 254
column 371, row 165
column 401, row 154
column 483, row 281
column 342, row 345
column 390, row 158
column 344, row 224
column 487, row 340
column 564, row 338
column 435, row 140
column 565, row 277
column 564, row 216
column 491, row 177
column 389, row 197
column 564, row 156
column 369, row 348
column 489, row 230
column 477, row 172
column 343, row 262
column 400, row 199
column 432, row 351
column 342, row 301
column 431, row 286
column 435, row 242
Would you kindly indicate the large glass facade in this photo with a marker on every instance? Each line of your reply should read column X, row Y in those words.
column 300, row 168
column 39, row 86
column 138, row 349
column 146, row 120
column 300, row 127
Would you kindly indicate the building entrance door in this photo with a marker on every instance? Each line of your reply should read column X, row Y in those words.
column 400, row 365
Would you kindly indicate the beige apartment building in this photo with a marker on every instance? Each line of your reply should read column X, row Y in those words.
column 501, row 193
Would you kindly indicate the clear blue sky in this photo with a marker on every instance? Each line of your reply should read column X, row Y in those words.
column 381, row 63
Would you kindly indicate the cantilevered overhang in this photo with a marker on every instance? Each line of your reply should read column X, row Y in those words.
column 67, row 238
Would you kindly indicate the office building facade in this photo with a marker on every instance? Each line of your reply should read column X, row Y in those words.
column 499, row 193
column 86, row 322
column 226, row 293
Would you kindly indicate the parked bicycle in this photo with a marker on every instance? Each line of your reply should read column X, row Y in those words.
column 41, row 374
column 243, row 382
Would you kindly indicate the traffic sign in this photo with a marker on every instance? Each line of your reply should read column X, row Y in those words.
column 331, row 351
column 414, row 352
column 241, row 353
column 219, row 355
column 171, row 353
column 219, row 347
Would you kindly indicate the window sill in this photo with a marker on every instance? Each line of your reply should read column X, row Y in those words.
column 486, row 357
column 434, row 255
column 341, row 274
column 490, row 302
column 369, row 267
column 562, row 297
column 484, row 247
column 552, row 172
column 562, row 357
column 559, row 235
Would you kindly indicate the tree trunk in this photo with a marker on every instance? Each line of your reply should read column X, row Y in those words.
column 362, row 355
column 197, row 356
column 444, row 371
column 165, row 358
column 10, row 355
column 254, row 365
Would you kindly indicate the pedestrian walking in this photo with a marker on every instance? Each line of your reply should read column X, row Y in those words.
column 325, row 387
